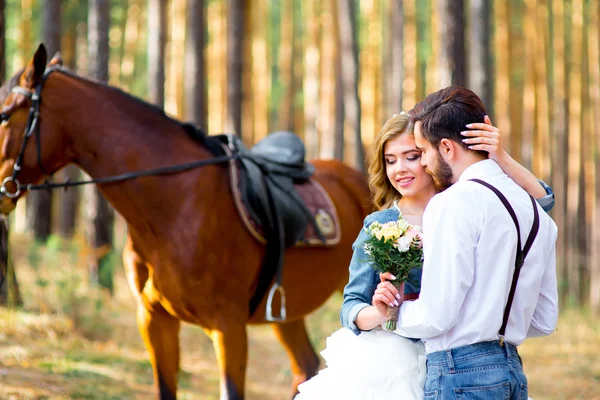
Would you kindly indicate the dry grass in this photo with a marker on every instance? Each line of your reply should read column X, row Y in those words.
column 73, row 342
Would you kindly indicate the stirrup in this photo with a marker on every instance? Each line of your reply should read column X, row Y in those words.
column 282, row 314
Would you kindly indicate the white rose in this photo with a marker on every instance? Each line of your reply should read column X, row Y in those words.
column 403, row 243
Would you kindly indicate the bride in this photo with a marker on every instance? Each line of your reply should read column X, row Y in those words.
column 365, row 362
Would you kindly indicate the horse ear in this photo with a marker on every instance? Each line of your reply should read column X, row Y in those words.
column 56, row 60
column 35, row 69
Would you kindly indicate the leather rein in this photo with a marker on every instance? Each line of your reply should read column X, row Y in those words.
column 33, row 128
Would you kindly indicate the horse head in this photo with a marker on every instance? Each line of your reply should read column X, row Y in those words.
column 28, row 151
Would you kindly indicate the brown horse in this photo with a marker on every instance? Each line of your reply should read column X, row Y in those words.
column 187, row 257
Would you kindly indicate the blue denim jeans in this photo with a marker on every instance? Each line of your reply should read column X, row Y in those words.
column 483, row 371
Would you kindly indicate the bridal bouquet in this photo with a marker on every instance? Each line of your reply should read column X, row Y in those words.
column 394, row 247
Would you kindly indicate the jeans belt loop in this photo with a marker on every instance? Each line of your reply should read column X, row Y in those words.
column 450, row 361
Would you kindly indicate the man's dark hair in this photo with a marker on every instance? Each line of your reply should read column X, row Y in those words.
column 445, row 113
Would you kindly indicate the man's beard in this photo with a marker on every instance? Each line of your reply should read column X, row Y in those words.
column 442, row 174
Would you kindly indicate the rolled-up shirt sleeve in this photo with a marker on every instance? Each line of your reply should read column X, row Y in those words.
column 546, row 202
column 449, row 262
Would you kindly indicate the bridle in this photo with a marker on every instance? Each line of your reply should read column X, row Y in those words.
column 33, row 128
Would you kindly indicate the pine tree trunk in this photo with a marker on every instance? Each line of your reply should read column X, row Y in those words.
column 594, row 90
column 481, row 76
column 2, row 42
column 9, row 287
column 560, row 133
column 235, row 48
column 326, row 120
column 195, row 69
column 99, row 215
column 157, row 41
column 349, row 57
column 261, row 71
column 287, row 61
column 452, row 62
column 39, row 203
column 69, row 198
column 338, row 152
column 311, row 78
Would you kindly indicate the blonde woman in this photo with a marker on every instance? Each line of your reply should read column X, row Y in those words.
column 364, row 361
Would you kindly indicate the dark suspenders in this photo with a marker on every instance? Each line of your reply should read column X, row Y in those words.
column 521, row 252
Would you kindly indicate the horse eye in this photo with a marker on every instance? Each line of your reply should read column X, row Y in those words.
column 4, row 117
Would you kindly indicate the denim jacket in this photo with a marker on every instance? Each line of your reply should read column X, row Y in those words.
column 363, row 278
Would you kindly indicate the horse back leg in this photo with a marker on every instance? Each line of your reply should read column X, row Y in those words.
column 231, row 348
column 160, row 332
column 304, row 360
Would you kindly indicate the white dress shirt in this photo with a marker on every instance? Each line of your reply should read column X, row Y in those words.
column 470, row 244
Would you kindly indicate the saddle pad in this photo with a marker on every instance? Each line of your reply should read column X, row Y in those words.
column 313, row 195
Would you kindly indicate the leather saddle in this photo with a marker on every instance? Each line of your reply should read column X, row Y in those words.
column 268, row 173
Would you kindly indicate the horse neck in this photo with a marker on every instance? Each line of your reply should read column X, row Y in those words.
column 111, row 134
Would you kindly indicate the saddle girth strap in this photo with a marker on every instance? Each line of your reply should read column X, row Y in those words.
column 521, row 252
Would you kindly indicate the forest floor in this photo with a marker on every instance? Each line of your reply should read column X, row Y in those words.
column 73, row 342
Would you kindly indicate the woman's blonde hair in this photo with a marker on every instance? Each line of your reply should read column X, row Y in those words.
column 384, row 194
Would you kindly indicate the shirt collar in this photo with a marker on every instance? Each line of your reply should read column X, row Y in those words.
column 481, row 169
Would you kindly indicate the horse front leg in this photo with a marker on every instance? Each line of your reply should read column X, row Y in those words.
column 160, row 332
column 303, row 359
column 231, row 348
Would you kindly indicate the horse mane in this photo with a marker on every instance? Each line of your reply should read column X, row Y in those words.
column 195, row 132
column 9, row 84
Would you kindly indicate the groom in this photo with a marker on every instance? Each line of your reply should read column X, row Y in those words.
column 470, row 257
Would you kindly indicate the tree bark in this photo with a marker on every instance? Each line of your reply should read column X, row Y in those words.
column 338, row 152
column 157, row 41
column 235, row 49
column 99, row 215
column 2, row 42
column 452, row 62
column 9, row 287
column 195, row 69
column 349, row 57
column 39, row 203
column 481, row 75
column 287, row 55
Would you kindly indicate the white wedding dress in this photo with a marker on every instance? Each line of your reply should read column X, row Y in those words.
column 375, row 365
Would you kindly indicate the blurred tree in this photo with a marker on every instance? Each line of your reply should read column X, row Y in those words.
column 338, row 150
column 560, row 132
column 349, row 55
column 481, row 75
column 593, row 116
column 452, row 61
column 312, row 60
column 516, row 68
column 9, row 287
column 39, row 203
column 235, row 49
column 260, row 73
column 157, row 41
column 394, row 62
column 2, row 42
column 69, row 199
column 423, row 21
column 195, row 69
column 326, row 117
column 287, row 61
column 99, row 215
